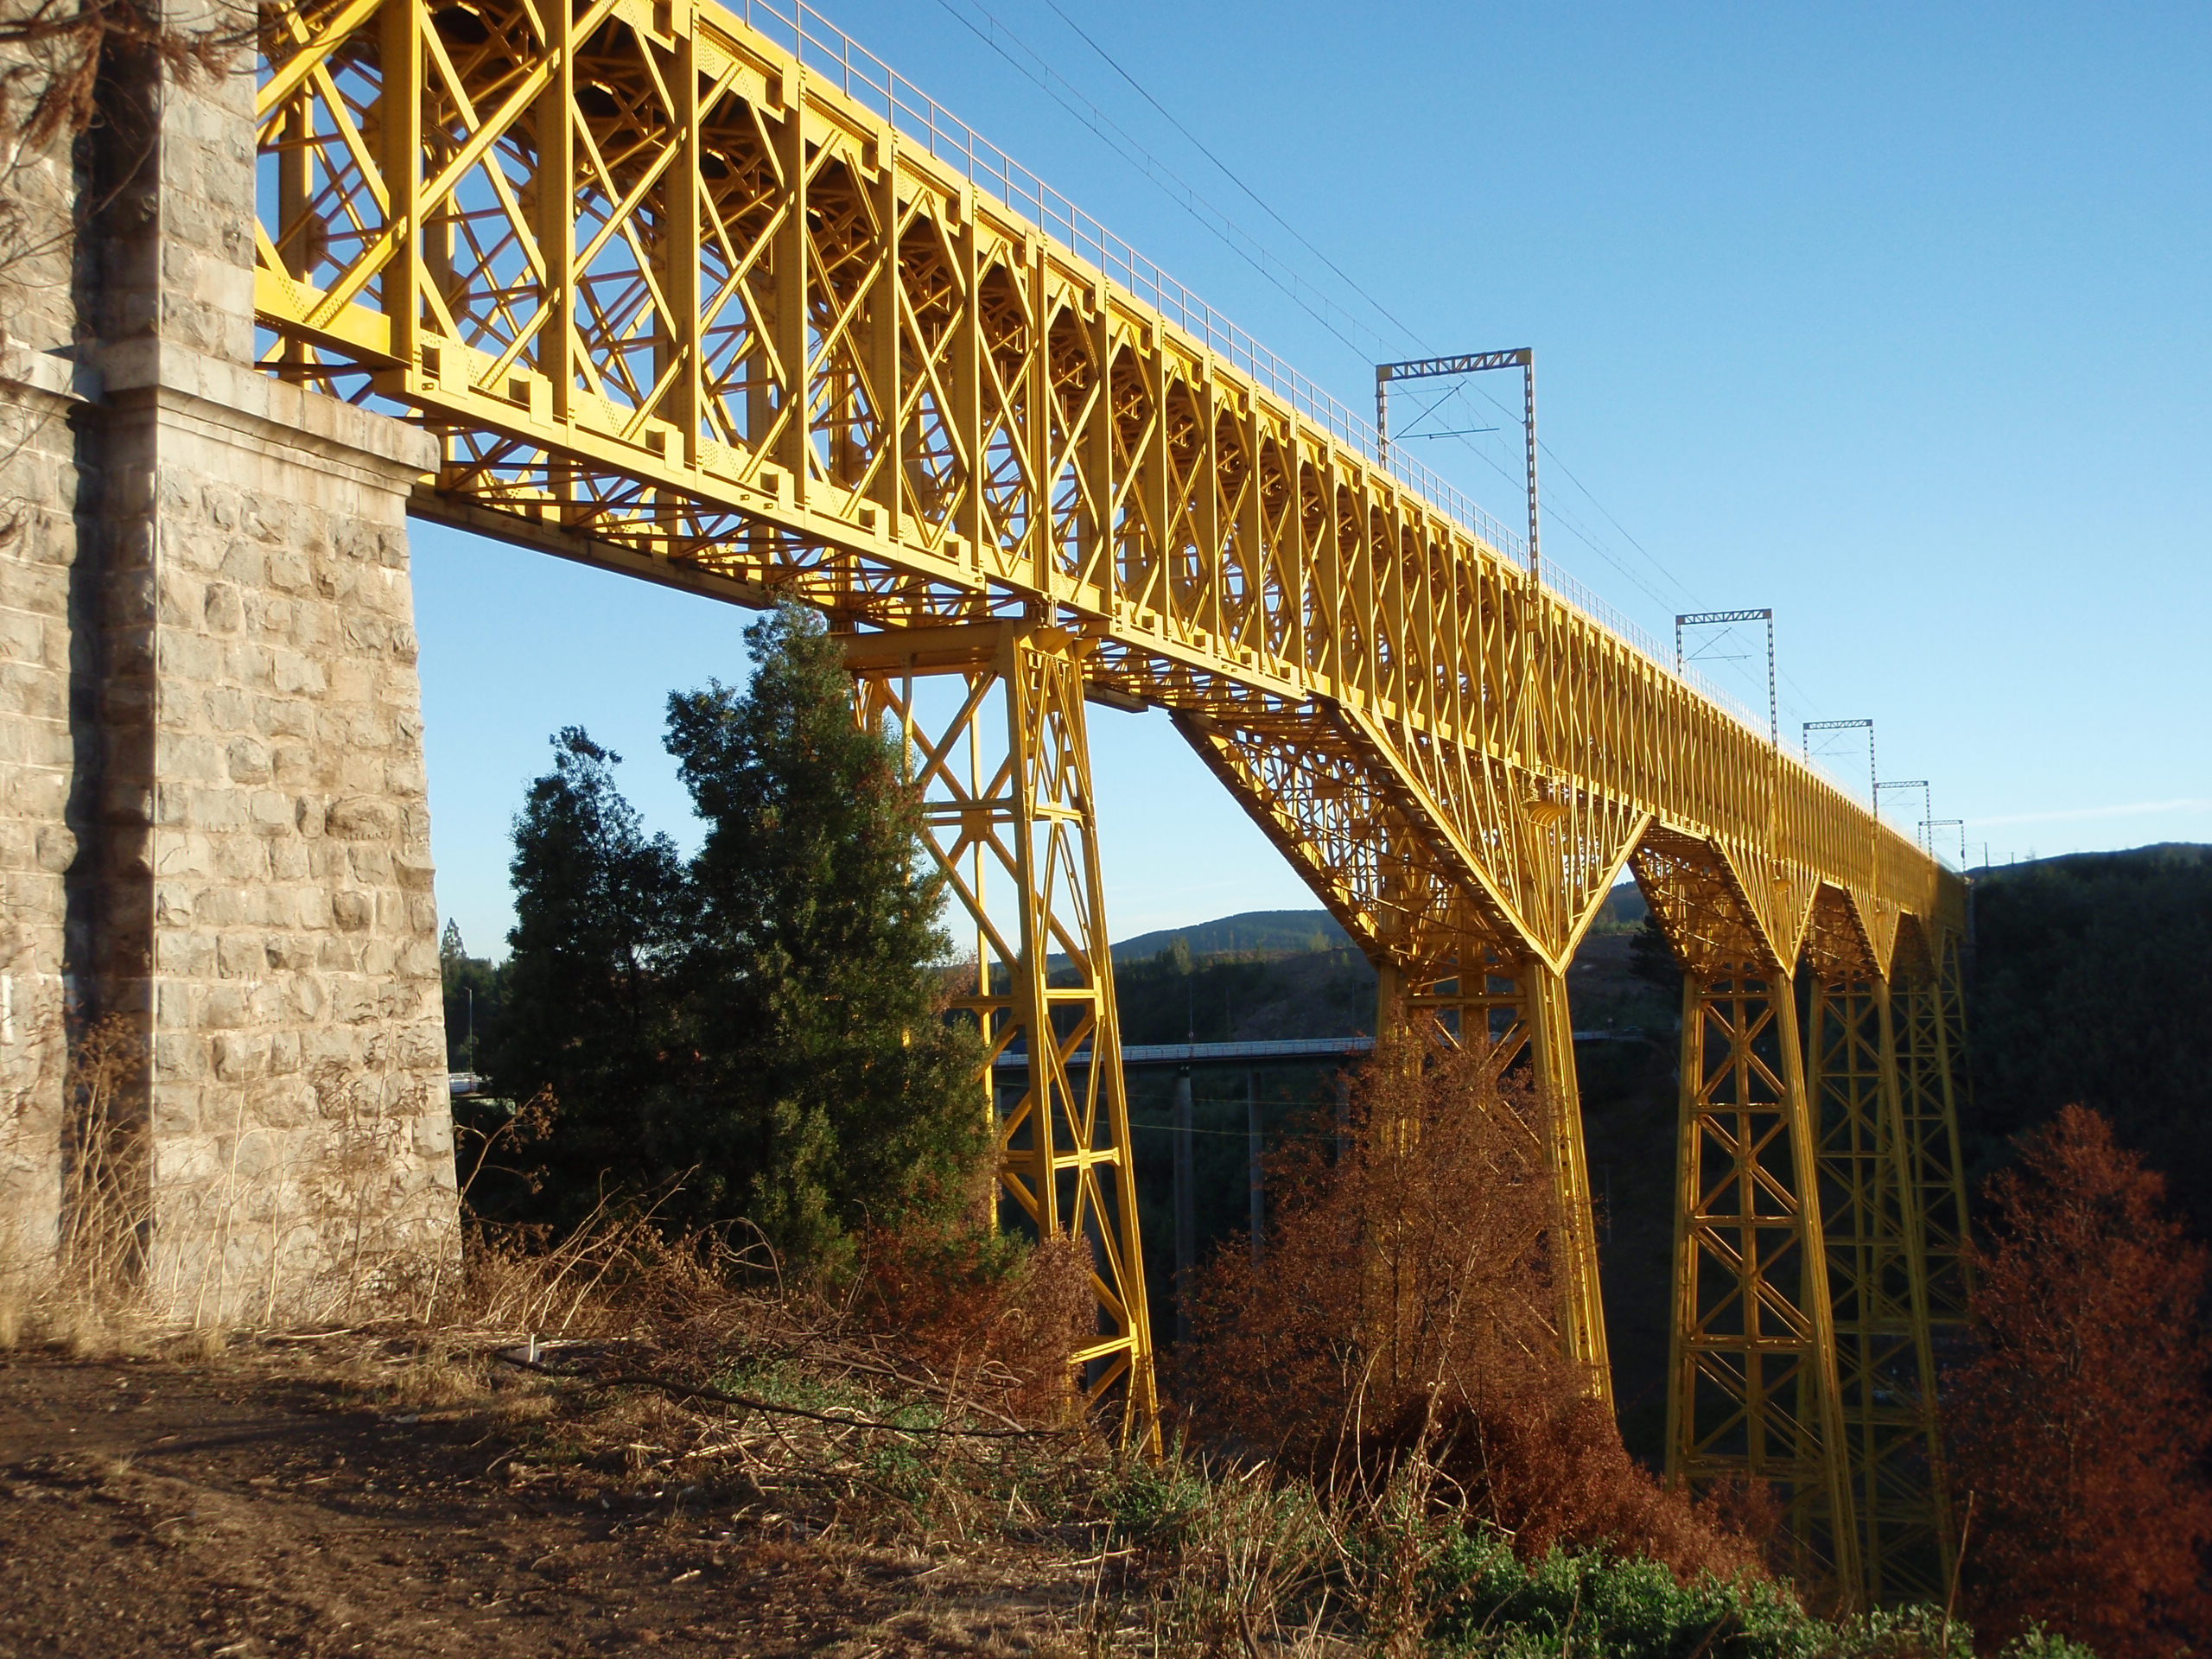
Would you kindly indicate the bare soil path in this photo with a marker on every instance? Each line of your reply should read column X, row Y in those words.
column 259, row 1505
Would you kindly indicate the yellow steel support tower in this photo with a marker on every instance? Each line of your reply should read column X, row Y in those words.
column 1928, row 1015
column 1002, row 764
column 1877, row 1266
column 1476, row 990
column 1754, row 1391
column 708, row 295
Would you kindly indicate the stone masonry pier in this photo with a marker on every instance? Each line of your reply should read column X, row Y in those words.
column 214, row 830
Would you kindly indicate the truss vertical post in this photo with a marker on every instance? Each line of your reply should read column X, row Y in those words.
column 1012, row 825
column 790, row 326
column 1879, row 1289
column 555, row 209
column 1754, row 1393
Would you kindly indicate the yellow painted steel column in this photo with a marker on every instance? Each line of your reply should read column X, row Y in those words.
column 1878, row 1287
column 1012, row 825
column 1081, row 1163
column 1754, row 1393
column 1929, row 1019
column 1946, row 1175
column 1582, row 1305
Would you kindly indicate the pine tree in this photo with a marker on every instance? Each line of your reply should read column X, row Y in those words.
column 598, row 905
column 831, row 1094
column 2081, row 1426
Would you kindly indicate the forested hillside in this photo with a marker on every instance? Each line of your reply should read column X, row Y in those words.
column 2092, row 983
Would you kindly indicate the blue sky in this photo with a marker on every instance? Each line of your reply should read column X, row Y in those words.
column 1893, row 318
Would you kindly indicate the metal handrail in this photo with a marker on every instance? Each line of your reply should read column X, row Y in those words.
column 867, row 81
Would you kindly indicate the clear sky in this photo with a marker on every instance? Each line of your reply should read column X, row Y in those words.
column 1893, row 317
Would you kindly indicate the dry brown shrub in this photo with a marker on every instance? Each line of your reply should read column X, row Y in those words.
column 106, row 1208
column 2080, row 1421
column 997, row 1321
column 614, row 1273
column 1407, row 1306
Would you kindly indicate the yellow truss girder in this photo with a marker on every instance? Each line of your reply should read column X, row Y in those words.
column 685, row 294
column 677, row 301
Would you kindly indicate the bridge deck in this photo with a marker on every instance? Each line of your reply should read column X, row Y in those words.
column 714, row 296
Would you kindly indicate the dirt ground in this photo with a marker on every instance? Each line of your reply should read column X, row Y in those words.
column 266, row 1502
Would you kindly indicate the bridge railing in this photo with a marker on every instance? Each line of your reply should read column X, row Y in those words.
column 867, row 80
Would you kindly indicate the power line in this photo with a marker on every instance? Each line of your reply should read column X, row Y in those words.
column 1231, row 173
column 1178, row 189
column 1045, row 76
column 1281, row 276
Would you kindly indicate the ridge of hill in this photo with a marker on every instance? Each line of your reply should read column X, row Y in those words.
column 1285, row 932
column 1263, row 932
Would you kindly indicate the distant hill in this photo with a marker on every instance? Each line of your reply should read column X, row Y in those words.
column 1279, row 932
column 2092, row 982
column 1267, row 932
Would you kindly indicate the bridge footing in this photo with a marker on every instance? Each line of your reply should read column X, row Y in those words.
column 214, row 830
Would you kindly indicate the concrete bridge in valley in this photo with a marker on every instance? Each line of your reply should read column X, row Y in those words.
column 713, row 298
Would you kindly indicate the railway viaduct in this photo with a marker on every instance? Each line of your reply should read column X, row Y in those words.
column 713, row 298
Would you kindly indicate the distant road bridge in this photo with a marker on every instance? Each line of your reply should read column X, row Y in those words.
column 712, row 297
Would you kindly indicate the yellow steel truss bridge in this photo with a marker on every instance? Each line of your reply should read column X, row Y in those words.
column 711, row 296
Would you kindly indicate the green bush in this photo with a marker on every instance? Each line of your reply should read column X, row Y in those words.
column 1483, row 1600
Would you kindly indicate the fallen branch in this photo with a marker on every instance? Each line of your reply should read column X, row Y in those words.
column 753, row 1402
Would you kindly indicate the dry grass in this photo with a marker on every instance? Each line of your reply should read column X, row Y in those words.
column 683, row 1374
column 1395, row 1465
column 332, row 1221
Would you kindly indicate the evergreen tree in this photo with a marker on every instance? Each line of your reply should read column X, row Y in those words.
column 2081, row 1425
column 598, row 909
column 829, row 1093
column 1651, row 959
column 475, row 990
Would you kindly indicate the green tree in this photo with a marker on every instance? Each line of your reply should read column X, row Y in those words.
column 829, row 1093
column 475, row 990
column 599, row 913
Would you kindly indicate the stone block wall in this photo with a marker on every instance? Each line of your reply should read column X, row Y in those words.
column 37, row 548
column 269, row 834
column 213, row 816
column 40, row 478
